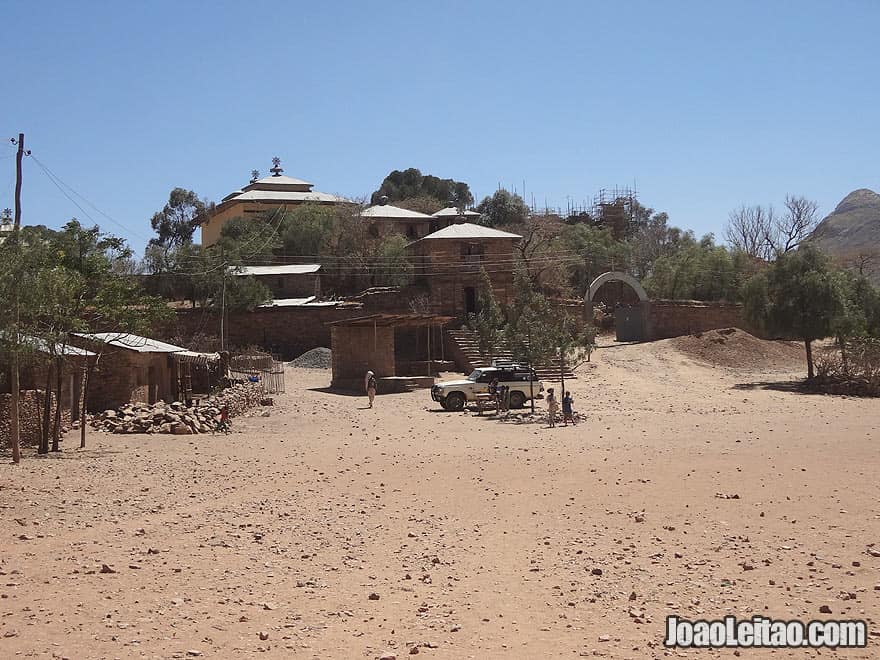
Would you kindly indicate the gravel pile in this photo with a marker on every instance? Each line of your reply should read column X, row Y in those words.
column 317, row 358
column 732, row 347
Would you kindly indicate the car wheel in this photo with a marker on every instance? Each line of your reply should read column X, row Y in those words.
column 517, row 399
column 454, row 401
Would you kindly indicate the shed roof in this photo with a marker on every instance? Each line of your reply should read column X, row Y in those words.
column 41, row 345
column 298, row 302
column 132, row 342
column 394, row 320
column 194, row 357
column 389, row 211
column 468, row 230
column 286, row 269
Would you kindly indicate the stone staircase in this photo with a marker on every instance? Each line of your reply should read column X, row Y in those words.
column 463, row 348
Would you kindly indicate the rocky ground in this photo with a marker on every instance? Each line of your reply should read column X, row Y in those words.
column 327, row 530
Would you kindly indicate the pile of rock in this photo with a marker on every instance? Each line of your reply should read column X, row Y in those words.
column 175, row 417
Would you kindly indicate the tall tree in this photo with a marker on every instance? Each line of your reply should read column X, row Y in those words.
column 411, row 183
column 503, row 208
column 764, row 234
column 524, row 332
column 178, row 220
column 798, row 296
column 488, row 320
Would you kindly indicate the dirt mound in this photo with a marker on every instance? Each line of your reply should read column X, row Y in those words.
column 735, row 348
column 317, row 358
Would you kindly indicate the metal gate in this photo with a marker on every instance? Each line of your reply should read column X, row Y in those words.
column 629, row 322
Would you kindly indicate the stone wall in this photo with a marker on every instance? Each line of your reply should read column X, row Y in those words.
column 357, row 349
column 674, row 318
column 30, row 415
column 285, row 331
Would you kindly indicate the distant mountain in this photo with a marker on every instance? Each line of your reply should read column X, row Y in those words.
column 852, row 229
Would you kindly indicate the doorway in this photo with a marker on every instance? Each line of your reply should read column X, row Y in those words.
column 470, row 300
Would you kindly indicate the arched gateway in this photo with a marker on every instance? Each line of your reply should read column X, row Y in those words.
column 631, row 323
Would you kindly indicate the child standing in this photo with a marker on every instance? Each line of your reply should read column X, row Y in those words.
column 567, row 409
column 552, row 406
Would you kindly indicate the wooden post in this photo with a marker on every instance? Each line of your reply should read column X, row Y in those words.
column 14, row 384
column 429, row 350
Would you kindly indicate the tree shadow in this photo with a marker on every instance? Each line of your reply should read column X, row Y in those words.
column 73, row 453
column 792, row 386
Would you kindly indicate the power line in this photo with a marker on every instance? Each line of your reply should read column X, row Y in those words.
column 55, row 179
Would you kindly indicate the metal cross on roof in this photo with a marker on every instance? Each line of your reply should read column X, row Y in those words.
column 276, row 166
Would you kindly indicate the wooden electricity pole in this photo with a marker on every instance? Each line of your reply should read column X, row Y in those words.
column 14, row 427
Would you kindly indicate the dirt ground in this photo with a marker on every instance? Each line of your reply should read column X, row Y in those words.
column 328, row 530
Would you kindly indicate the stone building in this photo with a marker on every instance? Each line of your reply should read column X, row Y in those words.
column 448, row 262
column 384, row 219
column 130, row 368
column 389, row 346
column 288, row 280
column 261, row 195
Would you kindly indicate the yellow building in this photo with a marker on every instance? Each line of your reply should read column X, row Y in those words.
column 267, row 194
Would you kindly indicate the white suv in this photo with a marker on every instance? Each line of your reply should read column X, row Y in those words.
column 453, row 394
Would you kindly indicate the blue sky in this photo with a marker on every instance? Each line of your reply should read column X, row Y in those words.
column 703, row 106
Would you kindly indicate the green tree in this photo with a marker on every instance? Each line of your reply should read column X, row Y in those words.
column 567, row 339
column 595, row 251
column 488, row 321
column 798, row 296
column 525, row 332
column 411, row 183
column 178, row 220
column 393, row 261
column 76, row 279
column 307, row 230
column 503, row 208
column 698, row 270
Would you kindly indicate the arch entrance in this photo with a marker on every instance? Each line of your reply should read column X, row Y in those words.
column 631, row 321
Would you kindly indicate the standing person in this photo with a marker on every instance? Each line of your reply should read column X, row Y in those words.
column 552, row 406
column 494, row 391
column 370, row 382
column 567, row 409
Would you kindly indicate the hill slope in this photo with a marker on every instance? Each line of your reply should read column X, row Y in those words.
column 853, row 227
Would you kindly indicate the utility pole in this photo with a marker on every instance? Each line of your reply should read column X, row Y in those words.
column 14, row 385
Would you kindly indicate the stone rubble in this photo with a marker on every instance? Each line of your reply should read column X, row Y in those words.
column 176, row 418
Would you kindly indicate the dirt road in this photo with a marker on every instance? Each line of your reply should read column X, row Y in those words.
column 330, row 531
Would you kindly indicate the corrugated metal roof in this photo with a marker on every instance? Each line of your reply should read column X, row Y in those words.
column 287, row 269
column 132, row 342
column 452, row 212
column 467, row 230
column 391, row 320
column 298, row 302
column 388, row 211
column 41, row 345
column 193, row 357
